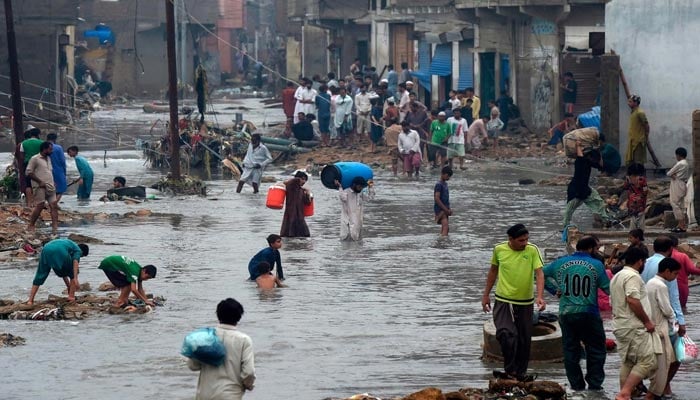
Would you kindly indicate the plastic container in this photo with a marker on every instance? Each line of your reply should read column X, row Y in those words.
column 587, row 136
column 344, row 172
column 309, row 208
column 590, row 119
column 275, row 197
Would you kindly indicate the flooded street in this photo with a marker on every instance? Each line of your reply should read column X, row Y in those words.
column 395, row 313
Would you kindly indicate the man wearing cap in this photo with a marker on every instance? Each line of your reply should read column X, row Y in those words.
column 28, row 149
column 256, row 159
column 392, row 79
column 352, row 201
column 638, row 133
column 440, row 132
column 127, row 276
column 305, row 97
column 39, row 171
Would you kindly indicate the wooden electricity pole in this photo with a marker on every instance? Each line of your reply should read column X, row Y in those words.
column 172, row 90
column 14, row 89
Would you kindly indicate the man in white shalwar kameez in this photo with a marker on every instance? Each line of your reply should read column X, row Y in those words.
column 679, row 174
column 306, row 99
column 256, row 159
column 352, row 202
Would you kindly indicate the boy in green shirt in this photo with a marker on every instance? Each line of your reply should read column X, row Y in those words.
column 128, row 277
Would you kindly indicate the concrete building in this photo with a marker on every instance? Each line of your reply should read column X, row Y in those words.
column 56, row 44
column 525, row 46
column 327, row 40
column 656, row 61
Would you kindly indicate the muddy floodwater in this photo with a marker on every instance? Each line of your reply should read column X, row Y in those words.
column 394, row 313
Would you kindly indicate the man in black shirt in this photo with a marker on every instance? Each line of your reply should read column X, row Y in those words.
column 569, row 94
column 303, row 130
column 579, row 192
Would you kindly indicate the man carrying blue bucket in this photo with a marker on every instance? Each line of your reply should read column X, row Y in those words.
column 352, row 200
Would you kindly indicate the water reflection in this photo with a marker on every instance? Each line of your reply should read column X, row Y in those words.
column 394, row 313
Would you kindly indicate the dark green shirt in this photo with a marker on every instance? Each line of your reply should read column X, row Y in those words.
column 124, row 265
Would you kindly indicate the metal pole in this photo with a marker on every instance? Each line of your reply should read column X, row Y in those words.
column 172, row 90
column 303, row 44
column 183, row 45
column 14, row 89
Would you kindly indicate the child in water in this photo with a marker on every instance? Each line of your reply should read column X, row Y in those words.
column 442, row 201
column 265, row 279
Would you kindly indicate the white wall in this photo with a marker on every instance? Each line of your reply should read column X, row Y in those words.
column 657, row 44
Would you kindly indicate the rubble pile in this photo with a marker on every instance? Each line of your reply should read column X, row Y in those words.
column 498, row 389
column 59, row 308
column 9, row 340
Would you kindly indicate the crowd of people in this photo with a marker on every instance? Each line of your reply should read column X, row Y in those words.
column 646, row 295
column 362, row 105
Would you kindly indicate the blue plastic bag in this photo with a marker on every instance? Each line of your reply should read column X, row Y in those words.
column 204, row 346
column 679, row 348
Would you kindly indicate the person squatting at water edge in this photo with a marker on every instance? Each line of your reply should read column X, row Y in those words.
column 256, row 159
column 575, row 279
column 516, row 263
column 127, row 276
column 236, row 375
column 352, row 202
column 270, row 255
column 63, row 257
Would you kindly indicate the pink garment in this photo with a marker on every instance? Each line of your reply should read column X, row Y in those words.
column 687, row 269
column 603, row 298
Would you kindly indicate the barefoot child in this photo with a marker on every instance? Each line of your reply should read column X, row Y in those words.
column 442, row 201
column 266, row 280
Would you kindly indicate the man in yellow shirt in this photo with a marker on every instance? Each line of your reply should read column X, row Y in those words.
column 516, row 263
column 638, row 133
column 476, row 102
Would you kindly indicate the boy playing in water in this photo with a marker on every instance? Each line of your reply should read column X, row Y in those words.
column 442, row 201
column 265, row 279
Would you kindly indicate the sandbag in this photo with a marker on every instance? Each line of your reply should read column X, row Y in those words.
column 204, row 346
column 589, row 137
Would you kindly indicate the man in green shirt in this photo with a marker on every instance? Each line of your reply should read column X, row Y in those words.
column 440, row 131
column 128, row 277
column 28, row 149
column 63, row 257
column 516, row 264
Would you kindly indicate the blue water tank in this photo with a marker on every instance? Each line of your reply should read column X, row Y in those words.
column 590, row 119
column 344, row 172
column 103, row 33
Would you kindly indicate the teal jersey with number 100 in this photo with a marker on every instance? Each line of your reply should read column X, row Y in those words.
column 577, row 278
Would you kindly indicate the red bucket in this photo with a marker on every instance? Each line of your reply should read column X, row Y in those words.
column 309, row 208
column 275, row 197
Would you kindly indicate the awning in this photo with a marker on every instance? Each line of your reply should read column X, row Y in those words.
column 442, row 60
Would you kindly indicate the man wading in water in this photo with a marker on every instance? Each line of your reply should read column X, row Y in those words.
column 516, row 263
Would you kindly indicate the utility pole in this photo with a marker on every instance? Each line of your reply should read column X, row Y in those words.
column 14, row 89
column 172, row 90
column 182, row 21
